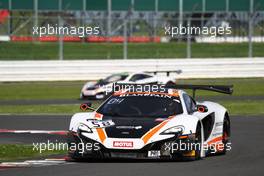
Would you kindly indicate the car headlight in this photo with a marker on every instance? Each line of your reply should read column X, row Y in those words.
column 84, row 128
column 174, row 130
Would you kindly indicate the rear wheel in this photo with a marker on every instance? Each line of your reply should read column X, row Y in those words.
column 170, row 83
column 226, row 134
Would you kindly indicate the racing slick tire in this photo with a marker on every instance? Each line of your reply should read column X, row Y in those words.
column 170, row 83
column 226, row 134
column 74, row 157
column 198, row 144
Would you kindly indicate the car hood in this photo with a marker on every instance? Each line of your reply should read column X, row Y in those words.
column 130, row 127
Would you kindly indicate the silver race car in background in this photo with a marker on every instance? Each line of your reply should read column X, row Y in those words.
column 99, row 89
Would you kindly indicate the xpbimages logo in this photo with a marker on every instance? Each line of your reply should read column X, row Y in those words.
column 180, row 146
column 118, row 87
column 79, row 31
column 174, row 31
column 59, row 146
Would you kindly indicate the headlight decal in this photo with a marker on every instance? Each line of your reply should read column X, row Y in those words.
column 153, row 131
column 84, row 128
column 173, row 130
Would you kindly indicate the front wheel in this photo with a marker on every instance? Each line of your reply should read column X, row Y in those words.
column 195, row 153
column 198, row 142
column 82, row 97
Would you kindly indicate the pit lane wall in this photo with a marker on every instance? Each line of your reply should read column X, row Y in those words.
column 95, row 69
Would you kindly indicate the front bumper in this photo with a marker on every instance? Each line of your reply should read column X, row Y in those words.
column 155, row 150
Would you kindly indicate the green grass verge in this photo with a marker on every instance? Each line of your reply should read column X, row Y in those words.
column 11, row 152
column 40, row 51
column 246, row 107
column 71, row 90
column 242, row 86
column 42, row 109
column 40, row 90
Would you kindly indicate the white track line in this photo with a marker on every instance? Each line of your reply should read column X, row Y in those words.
column 58, row 132
column 33, row 163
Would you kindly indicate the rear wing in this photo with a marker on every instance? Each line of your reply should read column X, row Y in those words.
column 165, row 71
column 225, row 89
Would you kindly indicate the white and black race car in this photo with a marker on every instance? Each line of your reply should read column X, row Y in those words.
column 165, row 123
column 99, row 89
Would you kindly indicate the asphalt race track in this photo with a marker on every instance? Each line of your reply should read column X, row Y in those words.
column 245, row 158
column 31, row 122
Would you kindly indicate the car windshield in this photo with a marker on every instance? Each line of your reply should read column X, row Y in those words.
column 112, row 78
column 148, row 105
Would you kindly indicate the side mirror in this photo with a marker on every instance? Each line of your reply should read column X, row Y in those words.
column 86, row 106
column 201, row 108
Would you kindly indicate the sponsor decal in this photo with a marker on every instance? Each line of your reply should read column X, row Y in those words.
column 154, row 153
column 160, row 95
column 219, row 124
column 123, row 144
column 129, row 127
column 125, row 132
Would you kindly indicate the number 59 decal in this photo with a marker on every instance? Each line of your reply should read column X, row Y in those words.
column 100, row 123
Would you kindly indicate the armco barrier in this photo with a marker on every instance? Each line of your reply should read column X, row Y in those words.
column 95, row 69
